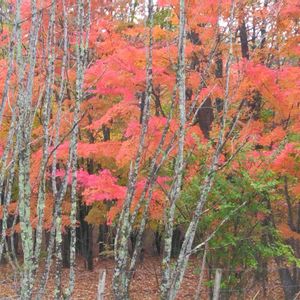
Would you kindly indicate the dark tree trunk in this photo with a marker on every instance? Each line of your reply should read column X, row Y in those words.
column 205, row 117
column 244, row 40
column 90, row 258
column 176, row 241
column 103, row 237
column 158, row 108
column 289, row 286
column 133, row 237
column 95, row 241
column 66, row 250
column 142, row 97
column 106, row 133
column 86, row 238
column 219, row 65
column 158, row 238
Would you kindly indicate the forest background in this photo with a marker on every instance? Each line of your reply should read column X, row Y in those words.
column 161, row 131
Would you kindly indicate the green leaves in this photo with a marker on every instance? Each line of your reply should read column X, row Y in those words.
column 264, row 183
column 162, row 18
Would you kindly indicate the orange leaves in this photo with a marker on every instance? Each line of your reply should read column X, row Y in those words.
column 166, row 3
column 104, row 187
column 122, row 110
column 291, row 48
column 296, row 190
column 103, row 37
column 277, row 87
column 122, row 73
column 116, row 76
column 155, row 130
column 206, row 12
column 265, row 80
column 287, row 233
column 290, row 9
column 11, row 209
column 194, row 136
column 101, row 150
column 159, row 33
column 156, row 127
column 252, row 132
column 285, row 162
column 275, row 136
column 4, row 38
column 157, row 201
column 289, row 82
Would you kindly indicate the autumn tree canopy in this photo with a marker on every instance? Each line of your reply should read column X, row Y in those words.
column 121, row 119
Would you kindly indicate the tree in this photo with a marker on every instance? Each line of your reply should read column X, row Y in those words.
column 124, row 115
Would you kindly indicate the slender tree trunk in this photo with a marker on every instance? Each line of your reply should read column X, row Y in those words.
column 198, row 290
column 83, row 25
column 176, row 187
column 24, row 136
column 120, row 277
column 173, row 279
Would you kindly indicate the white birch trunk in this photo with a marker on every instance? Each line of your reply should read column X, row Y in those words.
column 101, row 285
column 217, row 285
column 176, row 186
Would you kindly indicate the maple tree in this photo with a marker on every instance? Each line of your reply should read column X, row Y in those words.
column 134, row 115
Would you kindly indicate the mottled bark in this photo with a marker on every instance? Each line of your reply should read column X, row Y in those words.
column 120, row 278
column 26, row 116
column 58, row 192
column 179, row 167
column 57, row 218
column 175, row 277
column 46, row 110
column 199, row 286
column 13, row 125
column 11, row 55
column 6, row 200
column 83, row 26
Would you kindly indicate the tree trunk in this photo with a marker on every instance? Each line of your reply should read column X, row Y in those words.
column 66, row 250
column 95, row 241
column 217, row 284
column 289, row 286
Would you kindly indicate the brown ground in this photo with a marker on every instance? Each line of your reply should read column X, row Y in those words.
column 144, row 287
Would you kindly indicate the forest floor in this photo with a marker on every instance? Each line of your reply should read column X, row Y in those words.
column 145, row 284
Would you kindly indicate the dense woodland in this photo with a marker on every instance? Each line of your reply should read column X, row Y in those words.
column 164, row 131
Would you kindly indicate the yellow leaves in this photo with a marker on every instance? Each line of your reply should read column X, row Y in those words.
column 134, row 31
column 174, row 19
column 159, row 33
column 4, row 131
column 163, row 35
column 97, row 214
